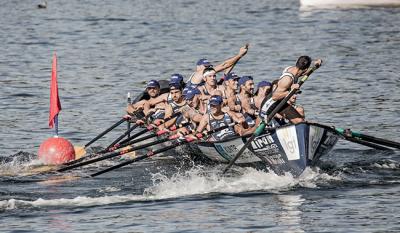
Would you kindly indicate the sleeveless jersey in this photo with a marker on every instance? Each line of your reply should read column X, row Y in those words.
column 215, row 123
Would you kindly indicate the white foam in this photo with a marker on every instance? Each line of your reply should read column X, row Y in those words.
column 195, row 181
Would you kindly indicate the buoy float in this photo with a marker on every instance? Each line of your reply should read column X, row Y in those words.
column 56, row 150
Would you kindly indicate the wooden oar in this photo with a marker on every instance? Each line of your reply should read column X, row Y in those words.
column 80, row 151
column 277, row 109
column 177, row 143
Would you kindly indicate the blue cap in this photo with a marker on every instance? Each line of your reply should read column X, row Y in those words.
column 191, row 93
column 264, row 84
column 153, row 83
column 216, row 100
column 175, row 86
column 176, row 78
column 244, row 79
column 230, row 76
column 203, row 62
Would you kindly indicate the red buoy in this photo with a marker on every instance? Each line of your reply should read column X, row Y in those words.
column 56, row 150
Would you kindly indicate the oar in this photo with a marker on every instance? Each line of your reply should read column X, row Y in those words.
column 127, row 132
column 368, row 138
column 126, row 149
column 347, row 135
column 129, row 101
column 115, row 154
column 277, row 109
column 177, row 143
column 80, row 151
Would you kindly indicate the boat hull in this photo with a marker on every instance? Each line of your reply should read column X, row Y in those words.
column 290, row 148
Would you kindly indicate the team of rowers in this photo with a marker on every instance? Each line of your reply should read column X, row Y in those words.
column 203, row 103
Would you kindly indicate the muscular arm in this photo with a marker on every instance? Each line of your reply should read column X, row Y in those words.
column 231, row 61
column 281, row 90
column 231, row 104
column 159, row 99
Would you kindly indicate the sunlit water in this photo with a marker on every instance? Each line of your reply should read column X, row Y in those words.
column 106, row 49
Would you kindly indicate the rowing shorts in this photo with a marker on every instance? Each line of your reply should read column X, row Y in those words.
column 268, row 107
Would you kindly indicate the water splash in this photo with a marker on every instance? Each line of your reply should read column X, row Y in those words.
column 196, row 181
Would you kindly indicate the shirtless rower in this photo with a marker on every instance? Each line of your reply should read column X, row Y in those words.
column 263, row 89
column 217, row 118
column 287, row 82
column 196, row 79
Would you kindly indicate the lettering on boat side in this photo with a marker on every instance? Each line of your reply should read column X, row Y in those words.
column 262, row 143
column 266, row 147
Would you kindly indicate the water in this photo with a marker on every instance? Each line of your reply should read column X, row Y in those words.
column 106, row 49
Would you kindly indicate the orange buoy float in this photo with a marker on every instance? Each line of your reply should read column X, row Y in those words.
column 56, row 150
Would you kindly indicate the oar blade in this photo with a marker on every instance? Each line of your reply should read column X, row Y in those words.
column 79, row 152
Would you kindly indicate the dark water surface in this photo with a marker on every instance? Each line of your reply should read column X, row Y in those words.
column 107, row 48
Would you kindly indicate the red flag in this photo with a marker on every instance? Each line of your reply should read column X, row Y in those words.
column 55, row 105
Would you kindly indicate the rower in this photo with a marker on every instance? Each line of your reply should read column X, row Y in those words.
column 216, row 118
column 287, row 82
column 229, row 86
column 174, row 106
column 208, row 89
column 190, row 111
column 263, row 89
column 196, row 79
column 166, row 97
column 153, row 90
column 244, row 101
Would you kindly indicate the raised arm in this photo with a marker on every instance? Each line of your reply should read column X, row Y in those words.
column 229, row 63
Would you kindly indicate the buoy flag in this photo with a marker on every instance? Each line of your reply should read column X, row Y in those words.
column 55, row 105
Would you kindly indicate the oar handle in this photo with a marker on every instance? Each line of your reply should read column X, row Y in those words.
column 177, row 143
column 106, row 131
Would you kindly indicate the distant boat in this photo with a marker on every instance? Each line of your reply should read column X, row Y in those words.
column 349, row 3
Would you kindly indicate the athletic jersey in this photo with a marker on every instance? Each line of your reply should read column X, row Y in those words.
column 176, row 110
column 268, row 105
column 169, row 99
column 250, row 119
column 193, row 85
column 215, row 123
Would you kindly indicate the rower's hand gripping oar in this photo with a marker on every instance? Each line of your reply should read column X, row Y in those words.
column 277, row 109
column 177, row 143
column 80, row 151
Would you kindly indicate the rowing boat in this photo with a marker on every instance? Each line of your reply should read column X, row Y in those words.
column 289, row 148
